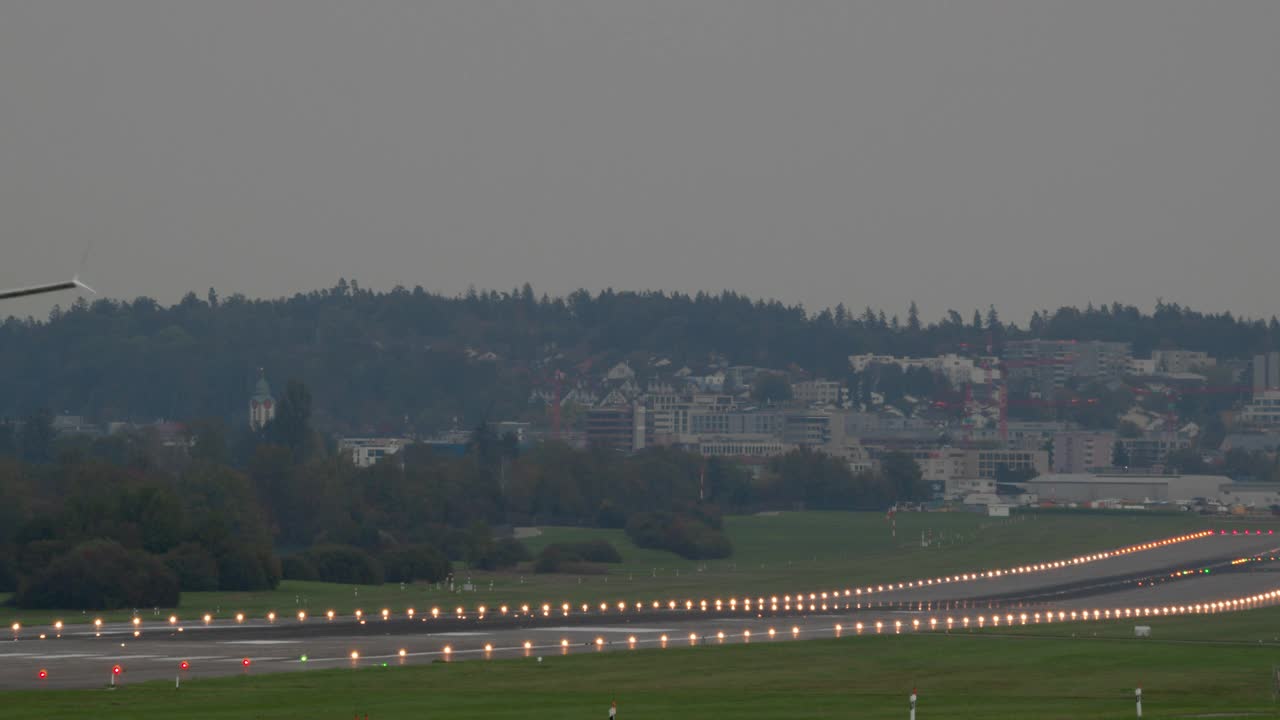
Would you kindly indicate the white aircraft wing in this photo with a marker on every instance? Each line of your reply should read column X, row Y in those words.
column 71, row 284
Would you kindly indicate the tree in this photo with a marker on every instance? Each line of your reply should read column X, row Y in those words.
column 913, row 318
column 291, row 426
column 1119, row 455
column 1185, row 461
column 770, row 388
column 35, row 440
column 903, row 476
column 101, row 575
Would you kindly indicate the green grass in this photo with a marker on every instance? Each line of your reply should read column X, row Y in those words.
column 958, row 676
column 780, row 553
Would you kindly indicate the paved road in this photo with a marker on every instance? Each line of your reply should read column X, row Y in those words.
column 83, row 656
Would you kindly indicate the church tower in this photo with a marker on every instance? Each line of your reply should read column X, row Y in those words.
column 262, row 407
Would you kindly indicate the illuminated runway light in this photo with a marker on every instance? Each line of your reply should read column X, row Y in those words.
column 564, row 643
column 447, row 650
column 488, row 647
column 302, row 615
column 402, row 652
column 693, row 637
column 585, row 607
column 246, row 662
column 271, row 617
column 355, row 654
column 239, row 618
column 772, row 632
column 746, row 635
column 138, row 621
column 795, row 630
column 663, row 639
column 915, row 624
column 97, row 623
column 359, row 613
column 933, row 623
column 409, row 612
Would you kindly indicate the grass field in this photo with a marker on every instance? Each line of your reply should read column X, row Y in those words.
column 964, row 675
column 778, row 553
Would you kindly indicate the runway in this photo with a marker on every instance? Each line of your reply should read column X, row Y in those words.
column 1162, row 580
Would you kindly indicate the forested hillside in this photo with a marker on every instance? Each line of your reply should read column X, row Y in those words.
column 374, row 360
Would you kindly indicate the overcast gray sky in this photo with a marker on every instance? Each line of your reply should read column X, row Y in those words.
column 1028, row 154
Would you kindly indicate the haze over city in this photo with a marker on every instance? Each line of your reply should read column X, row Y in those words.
column 1026, row 154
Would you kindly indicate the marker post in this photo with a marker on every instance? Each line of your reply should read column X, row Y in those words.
column 913, row 704
column 1137, row 694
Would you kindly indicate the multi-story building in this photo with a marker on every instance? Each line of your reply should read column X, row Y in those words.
column 810, row 430
column 819, row 392
column 749, row 446
column 1048, row 364
column 612, row 427
column 735, row 422
column 1266, row 373
column 365, row 452
column 1180, row 361
column 1264, row 411
column 1152, row 449
column 1082, row 451
column 985, row 463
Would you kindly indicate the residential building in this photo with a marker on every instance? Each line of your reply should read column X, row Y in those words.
column 1082, row 451
column 1152, row 448
column 1047, row 364
column 365, row 452
column 611, row 427
column 1180, row 361
column 1266, row 373
column 819, row 392
column 1264, row 411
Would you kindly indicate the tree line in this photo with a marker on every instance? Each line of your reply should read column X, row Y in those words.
column 406, row 359
column 123, row 521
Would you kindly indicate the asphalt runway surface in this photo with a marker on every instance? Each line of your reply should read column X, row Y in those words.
column 1172, row 576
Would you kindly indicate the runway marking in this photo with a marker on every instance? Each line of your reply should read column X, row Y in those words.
column 598, row 629
column 259, row 642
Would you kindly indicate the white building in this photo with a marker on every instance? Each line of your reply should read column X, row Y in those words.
column 819, row 392
column 365, row 452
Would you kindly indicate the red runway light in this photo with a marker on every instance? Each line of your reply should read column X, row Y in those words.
column 42, row 674
column 245, row 662
column 115, row 669
column 184, row 665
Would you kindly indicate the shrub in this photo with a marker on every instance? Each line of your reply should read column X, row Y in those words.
column 8, row 571
column 101, row 575
column 195, row 567
column 299, row 567
column 611, row 516
column 415, row 562
column 686, row 535
column 345, row 564
column 242, row 567
column 555, row 556
column 549, row 560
